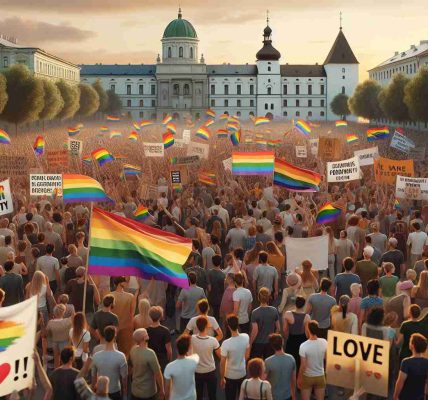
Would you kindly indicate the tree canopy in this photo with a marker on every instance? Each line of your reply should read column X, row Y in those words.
column 71, row 96
column 391, row 99
column 89, row 100
column 3, row 92
column 416, row 96
column 365, row 101
column 114, row 105
column 101, row 94
column 339, row 105
column 53, row 101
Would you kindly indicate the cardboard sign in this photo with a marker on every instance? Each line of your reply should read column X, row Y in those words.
column 367, row 156
column 45, row 184
column 301, row 152
column 75, row 147
column 411, row 188
column 175, row 177
column 358, row 360
column 198, row 149
column 343, row 171
column 153, row 149
column 313, row 144
column 186, row 136
column 13, row 166
column 329, row 148
column 385, row 170
column 401, row 142
column 297, row 252
column 18, row 332
column 57, row 159
column 184, row 160
column 227, row 164
column 6, row 203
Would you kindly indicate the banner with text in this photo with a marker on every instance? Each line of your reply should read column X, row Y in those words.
column 184, row 160
column 75, row 147
column 313, row 143
column 13, row 166
column 411, row 188
column 343, row 171
column 45, row 184
column 198, row 149
column 6, row 202
column 57, row 159
column 297, row 252
column 186, row 136
column 401, row 142
column 385, row 170
column 301, row 152
column 367, row 156
column 153, row 149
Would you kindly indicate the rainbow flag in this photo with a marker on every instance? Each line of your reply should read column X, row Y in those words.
column 351, row 138
column 235, row 138
column 136, row 126
column 120, row 157
column 129, row 170
column 87, row 160
column 302, row 127
column 261, row 121
column 104, row 129
column 112, row 118
column 82, row 188
column 171, row 127
column 224, row 116
column 115, row 134
column 234, row 119
column 222, row 133
column 124, row 247
column 327, row 213
column 203, row 133
column 232, row 126
column 133, row 136
column 377, row 134
column 397, row 205
column 252, row 163
column 249, row 140
column 39, row 145
column 168, row 140
column 274, row 143
column 209, row 122
column 102, row 155
column 145, row 123
column 73, row 131
column 207, row 178
column 261, row 142
column 340, row 124
column 210, row 113
column 295, row 179
column 166, row 120
column 177, row 187
column 141, row 213
column 10, row 332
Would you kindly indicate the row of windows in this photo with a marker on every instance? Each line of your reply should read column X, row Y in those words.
column 297, row 114
column 141, row 103
column 176, row 89
column 298, row 91
column 153, row 116
column 226, row 89
column 387, row 74
column 227, row 104
column 269, row 89
column 140, row 89
column 299, row 103
column 180, row 52
column 54, row 70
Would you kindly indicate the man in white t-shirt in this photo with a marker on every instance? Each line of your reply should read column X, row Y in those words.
column 180, row 374
column 417, row 240
column 311, row 372
column 234, row 353
column 213, row 328
column 242, row 303
column 204, row 346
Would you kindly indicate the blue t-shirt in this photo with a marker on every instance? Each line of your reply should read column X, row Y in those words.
column 416, row 369
column 343, row 282
column 279, row 372
column 370, row 302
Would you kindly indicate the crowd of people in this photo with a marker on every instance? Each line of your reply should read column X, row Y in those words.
column 248, row 326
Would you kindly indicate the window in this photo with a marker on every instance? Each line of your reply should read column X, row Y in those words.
column 180, row 52
column 309, row 113
column 309, row 103
column 297, row 113
column 322, row 103
column 153, row 89
column 269, row 90
column 343, row 76
column 5, row 62
column 212, row 103
column 226, row 103
column 297, row 103
column 343, row 89
column 284, row 114
column 141, row 103
column 266, row 106
column 238, row 113
column 113, row 88
column 251, row 89
column 322, row 89
column 297, row 89
column 251, row 103
column 153, row 103
column 191, row 52
column 238, row 89
column 226, row 89
column 238, row 103
column 212, row 89
column 269, row 69
column 141, row 89
column 407, row 69
column 322, row 113
column 128, row 89
column 343, row 70
column 284, row 89
column 128, row 103
column 186, row 89
column 176, row 89
column 141, row 114
column 271, row 106
column 309, row 89
column 169, row 52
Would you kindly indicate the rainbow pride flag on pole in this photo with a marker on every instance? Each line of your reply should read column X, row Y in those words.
column 171, row 127
column 351, row 138
column 377, row 133
column 102, row 155
column 327, row 213
column 136, row 126
column 210, row 113
column 207, row 178
column 235, row 137
column 166, row 120
column 145, row 123
column 295, row 179
column 112, row 118
column 131, row 170
column 104, row 129
column 73, row 131
column 261, row 121
column 252, row 163
column 340, row 124
column 124, row 247
column 222, row 133
column 203, row 133
column 133, row 136
column 39, row 145
column 141, row 213
column 81, row 188
column 168, row 140
column 115, row 134
column 303, row 127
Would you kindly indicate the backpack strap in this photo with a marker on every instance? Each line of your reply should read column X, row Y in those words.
column 261, row 391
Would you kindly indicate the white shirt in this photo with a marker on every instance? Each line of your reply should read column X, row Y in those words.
column 204, row 346
column 182, row 373
column 418, row 240
column 212, row 325
column 314, row 352
column 287, row 218
column 245, row 298
column 222, row 213
column 234, row 350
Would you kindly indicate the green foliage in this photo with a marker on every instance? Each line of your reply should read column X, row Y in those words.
column 3, row 92
column 89, row 100
column 53, row 101
column 365, row 102
column 71, row 96
column 416, row 96
column 114, row 105
column 101, row 94
column 339, row 105
column 25, row 95
column 391, row 99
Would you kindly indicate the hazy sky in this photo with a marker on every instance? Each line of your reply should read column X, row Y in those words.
column 129, row 31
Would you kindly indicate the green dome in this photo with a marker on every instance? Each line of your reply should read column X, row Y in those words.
column 180, row 28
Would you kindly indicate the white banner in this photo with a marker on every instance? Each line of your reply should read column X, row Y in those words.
column 186, row 136
column 301, row 152
column 297, row 252
column 153, row 149
column 6, row 203
column 401, row 142
column 18, row 335
column 411, row 188
column 179, row 143
column 313, row 143
column 343, row 171
column 227, row 164
column 75, row 147
column 45, row 184
column 367, row 156
column 198, row 149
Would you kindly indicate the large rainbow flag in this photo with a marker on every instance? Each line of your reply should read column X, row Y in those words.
column 124, row 247
column 81, row 188
column 252, row 163
column 295, row 179
column 377, row 133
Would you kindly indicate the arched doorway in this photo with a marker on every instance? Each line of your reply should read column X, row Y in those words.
column 269, row 115
column 176, row 116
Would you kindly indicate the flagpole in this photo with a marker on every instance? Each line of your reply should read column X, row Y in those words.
column 87, row 259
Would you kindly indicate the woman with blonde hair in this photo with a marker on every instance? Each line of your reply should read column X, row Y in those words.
column 309, row 279
column 142, row 319
column 39, row 286
column 420, row 292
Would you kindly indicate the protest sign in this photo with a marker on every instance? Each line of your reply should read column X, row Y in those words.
column 45, row 184
column 18, row 335
column 313, row 143
column 401, row 142
column 411, row 188
column 57, row 159
column 343, row 171
column 184, row 160
column 385, row 170
column 367, row 156
column 186, row 136
column 6, row 203
column 13, row 166
column 198, row 149
column 75, row 147
column 153, row 149
column 418, row 153
column 175, row 176
column 297, row 252
column 358, row 362
column 301, row 152
column 227, row 164
column 329, row 149
column 179, row 144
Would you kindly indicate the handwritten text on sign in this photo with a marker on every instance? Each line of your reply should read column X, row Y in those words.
column 343, row 171
column 45, row 184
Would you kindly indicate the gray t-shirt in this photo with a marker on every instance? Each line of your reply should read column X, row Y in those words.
column 279, row 372
column 379, row 241
column 343, row 282
column 112, row 364
column 321, row 307
column 189, row 298
column 237, row 238
column 265, row 318
column 265, row 276
column 48, row 265
column 207, row 254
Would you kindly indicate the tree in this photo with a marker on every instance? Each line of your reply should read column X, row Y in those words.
column 71, row 95
column 391, row 99
column 53, row 101
column 101, row 94
column 25, row 95
column 339, row 105
column 89, row 100
column 114, row 105
column 3, row 92
column 365, row 102
column 416, row 96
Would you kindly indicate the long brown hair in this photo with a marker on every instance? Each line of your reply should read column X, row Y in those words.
column 253, row 254
column 79, row 325
column 422, row 286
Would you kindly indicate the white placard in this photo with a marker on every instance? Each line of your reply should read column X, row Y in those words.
column 227, row 164
column 301, row 152
column 16, row 360
column 198, row 149
column 45, row 184
column 75, row 147
column 297, row 252
column 343, row 171
column 367, row 156
column 153, row 149
column 411, row 188
column 313, row 143
column 186, row 136
column 6, row 203
column 179, row 144
column 401, row 142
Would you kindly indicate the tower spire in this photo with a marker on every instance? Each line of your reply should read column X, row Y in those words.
column 179, row 12
column 267, row 17
column 340, row 20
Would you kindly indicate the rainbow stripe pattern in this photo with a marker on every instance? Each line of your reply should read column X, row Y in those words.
column 136, row 126
column 232, row 126
column 133, row 136
column 73, row 131
column 104, row 129
column 112, row 118
column 141, row 213
column 203, row 133
column 166, row 120
column 303, row 127
column 327, row 213
column 341, row 124
column 145, row 123
column 210, row 113
column 115, row 134
column 252, row 163
column 235, row 137
column 222, row 133
column 39, row 145
column 130, row 170
column 168, row 140
column 102, row 155
column 295, row 179
column 87, row 160
column 397, row 205
column 261, row 121
column 207, row 178
column 124, row 247
column 224, row 116
column 209, row 122
column 81, row 188
column 10, row 332
column 351, row 138
column 171, row 127
column 274, row 143
column 377, row 133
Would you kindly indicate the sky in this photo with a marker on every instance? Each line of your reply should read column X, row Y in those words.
column 129, row 31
